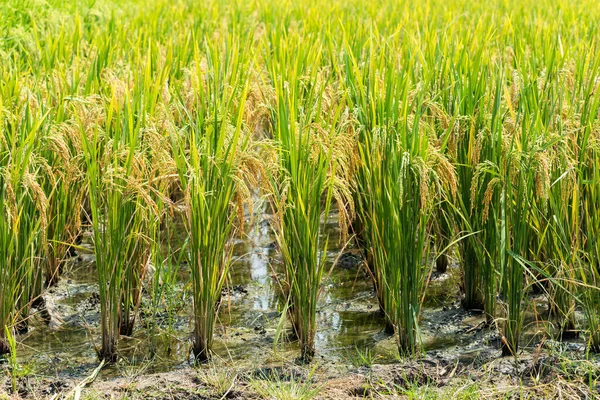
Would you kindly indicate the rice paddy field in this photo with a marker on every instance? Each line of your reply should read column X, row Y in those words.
column 286, row 199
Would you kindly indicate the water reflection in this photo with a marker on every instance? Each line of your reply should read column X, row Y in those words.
column 347, row 319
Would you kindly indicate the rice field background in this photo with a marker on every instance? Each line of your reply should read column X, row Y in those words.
column 299, row 199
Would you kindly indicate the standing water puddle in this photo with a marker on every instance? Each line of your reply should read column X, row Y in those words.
column 348, row 318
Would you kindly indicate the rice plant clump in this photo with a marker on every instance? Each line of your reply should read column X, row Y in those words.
column 23, row 220
column 215, row 164
column 314, row 145
column 122, row 216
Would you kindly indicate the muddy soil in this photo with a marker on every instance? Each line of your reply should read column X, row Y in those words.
column 254, row 357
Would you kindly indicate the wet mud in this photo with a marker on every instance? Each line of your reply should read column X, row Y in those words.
column 351, row 342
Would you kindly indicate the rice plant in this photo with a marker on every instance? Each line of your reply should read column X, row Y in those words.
column 375, row 107
column 314, row 147
column 406, row 181
column 214, row 165
column 564, row 239
column 22, row 215
column 589, row 195
column 470, row 150
column 524, row 177
column 65, row 191
column 399, row 175
column 590, row 274
column 122, row 217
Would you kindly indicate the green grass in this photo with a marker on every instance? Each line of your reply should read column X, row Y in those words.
column 292, row 387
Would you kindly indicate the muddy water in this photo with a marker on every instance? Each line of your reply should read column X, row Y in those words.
column 247, row 331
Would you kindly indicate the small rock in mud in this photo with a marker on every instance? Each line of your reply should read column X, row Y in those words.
column 89, row 303
column 236, row 290
column 349, row 260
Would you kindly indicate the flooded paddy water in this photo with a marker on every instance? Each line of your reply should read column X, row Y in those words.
column 60, row 348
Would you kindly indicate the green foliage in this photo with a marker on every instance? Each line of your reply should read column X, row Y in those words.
column 213, row 159
column 423, row 126
column 310, row 126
